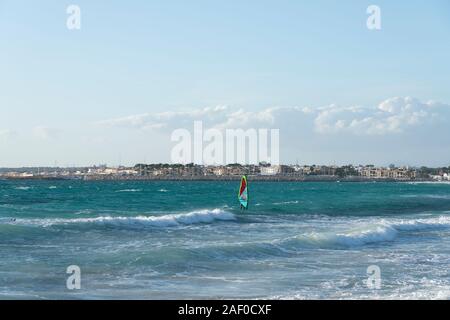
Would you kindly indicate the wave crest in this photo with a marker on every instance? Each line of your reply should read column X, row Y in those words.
column 369, row 234
column 172, row 220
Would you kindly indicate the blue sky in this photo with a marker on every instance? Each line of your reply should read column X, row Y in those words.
column 144, row 58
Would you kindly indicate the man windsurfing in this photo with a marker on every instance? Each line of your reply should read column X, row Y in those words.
column 243, row 193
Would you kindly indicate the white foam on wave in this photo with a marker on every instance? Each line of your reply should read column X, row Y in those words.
column 129, row 190
column 427, row 182
column 431, row 196
column 434, row 292
column 384, row 231
column 286, row 202
column 163, row 190
column 422, row 224
column 23, row 188
column 353, row 238
column 172, row 220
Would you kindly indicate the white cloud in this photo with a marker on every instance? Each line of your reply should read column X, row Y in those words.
column 270, row 117
column 166, row 120
column 220, row 117
column 392, row 116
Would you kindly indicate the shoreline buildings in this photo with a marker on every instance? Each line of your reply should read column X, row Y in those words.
column 262, row 171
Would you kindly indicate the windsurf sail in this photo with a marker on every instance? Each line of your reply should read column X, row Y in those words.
column 243, row 193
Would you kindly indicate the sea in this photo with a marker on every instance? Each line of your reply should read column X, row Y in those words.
column 190, row 240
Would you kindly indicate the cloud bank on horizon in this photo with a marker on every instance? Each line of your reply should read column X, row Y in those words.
column 392, row 116
column 400, row 130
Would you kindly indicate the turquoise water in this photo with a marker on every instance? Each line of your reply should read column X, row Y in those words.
column 161, row 240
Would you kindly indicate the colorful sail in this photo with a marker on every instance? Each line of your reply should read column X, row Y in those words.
column 243, row 193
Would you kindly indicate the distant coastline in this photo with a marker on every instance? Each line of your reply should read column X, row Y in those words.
column 218, row 178
column 230, row 172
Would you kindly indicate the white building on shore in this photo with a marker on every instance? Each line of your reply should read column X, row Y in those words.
column 275, row 170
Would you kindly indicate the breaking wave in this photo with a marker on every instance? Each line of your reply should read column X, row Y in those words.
column 370, row 234
column 361, row 236
column 422, row 224
column 172, row 220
